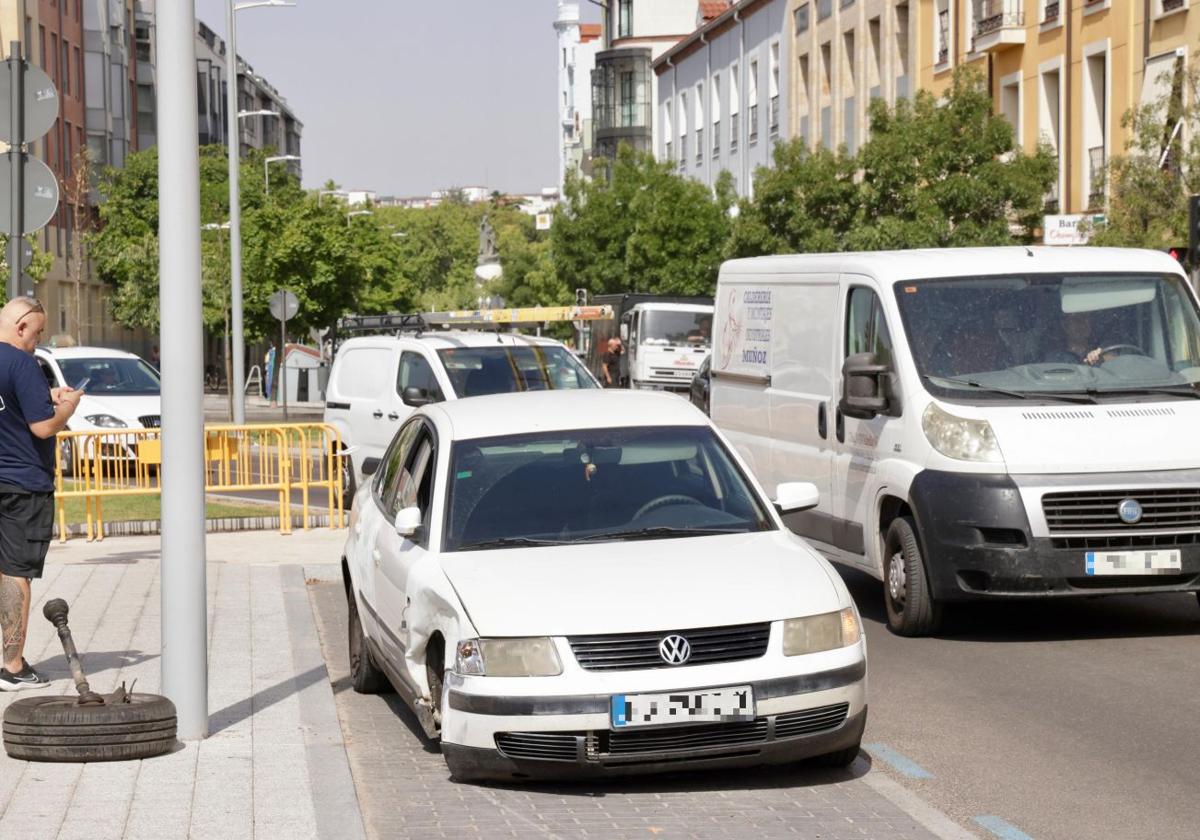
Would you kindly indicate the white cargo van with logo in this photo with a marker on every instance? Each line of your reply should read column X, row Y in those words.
column 377, row 381
column 981, row 423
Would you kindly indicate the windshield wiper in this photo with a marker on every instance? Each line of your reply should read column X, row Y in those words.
column 1021, row 395
column 659, row 532
column 1170, row 390
column 509, row 542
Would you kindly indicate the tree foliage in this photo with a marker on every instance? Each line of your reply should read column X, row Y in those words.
column 1150, row 183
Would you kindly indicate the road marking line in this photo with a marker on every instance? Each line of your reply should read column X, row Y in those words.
column 1001, row 828
column 898, row 762
column 923, row 812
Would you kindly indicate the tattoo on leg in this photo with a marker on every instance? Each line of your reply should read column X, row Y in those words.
column 12, row 611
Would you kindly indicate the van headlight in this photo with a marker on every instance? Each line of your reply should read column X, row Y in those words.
column 507, row 658
column 815, row 633
column 958, row 437
column 106, row 421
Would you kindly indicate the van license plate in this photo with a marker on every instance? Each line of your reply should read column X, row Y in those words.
column 1133, row 562
column 718, row 705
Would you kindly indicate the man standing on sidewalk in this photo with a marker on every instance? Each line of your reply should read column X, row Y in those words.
column 31, row 414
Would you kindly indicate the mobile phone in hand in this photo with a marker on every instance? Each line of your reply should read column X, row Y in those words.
column 82, row 383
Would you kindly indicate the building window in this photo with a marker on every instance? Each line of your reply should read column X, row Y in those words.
column 773, row 85
column 824, row 9
column 1049, row 126
column 627, row 101
column 1095, row 124
column 802, row 94
column 716, row 114
column 752, row 101
column 735, row 102
column 78, row 75
column 699, row 123
column 1166, row 7
column 849, row 91
column 801, row 18
column 1010, row 104
column 624, row 18
column 901, row 51
column 683, row 128
column 941, row 33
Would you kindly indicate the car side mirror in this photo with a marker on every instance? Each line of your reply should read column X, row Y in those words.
column 408, row 521
column 863, row 394
column 794, row 496
column 416, row 397
column 369, row 465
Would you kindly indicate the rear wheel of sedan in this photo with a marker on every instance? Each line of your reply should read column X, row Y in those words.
column 349, row 484
column 366, row 677
column 911, row 609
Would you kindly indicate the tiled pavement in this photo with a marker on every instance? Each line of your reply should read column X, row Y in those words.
column 404, row 790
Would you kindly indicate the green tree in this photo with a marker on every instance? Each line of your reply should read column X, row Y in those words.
column 641, row 228
column 1150, row 183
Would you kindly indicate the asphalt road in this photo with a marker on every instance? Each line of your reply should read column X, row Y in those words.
column 1065, row 719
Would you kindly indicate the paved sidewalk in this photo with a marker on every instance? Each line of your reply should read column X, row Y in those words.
column 274, row 765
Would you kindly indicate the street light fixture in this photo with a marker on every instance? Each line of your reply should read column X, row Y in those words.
column 322, row 193
column 235, row 209
column 267, row 167
column 354, row 213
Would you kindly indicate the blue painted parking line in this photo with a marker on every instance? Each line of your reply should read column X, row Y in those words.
column 898, row 762
column 1002, row 828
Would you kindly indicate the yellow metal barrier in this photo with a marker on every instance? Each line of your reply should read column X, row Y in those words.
column 281, row 458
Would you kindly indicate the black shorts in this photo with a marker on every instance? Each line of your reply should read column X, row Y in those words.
column 26, row 528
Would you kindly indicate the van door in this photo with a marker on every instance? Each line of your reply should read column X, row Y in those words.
column 800, row 401
column 860, row 444
column 362, row 391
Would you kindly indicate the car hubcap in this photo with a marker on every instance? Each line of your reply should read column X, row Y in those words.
column 896, row 579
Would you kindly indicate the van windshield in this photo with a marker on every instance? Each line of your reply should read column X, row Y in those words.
column 1096, row 335
column 477, row 371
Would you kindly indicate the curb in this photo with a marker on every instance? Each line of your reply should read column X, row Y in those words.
column 921, row 811
column 153, row 527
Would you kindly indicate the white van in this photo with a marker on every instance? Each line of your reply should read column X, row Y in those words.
column 981, row 423
column 376, row 381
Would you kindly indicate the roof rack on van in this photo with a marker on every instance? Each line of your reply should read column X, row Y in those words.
column 393, row 322
column 524, row 315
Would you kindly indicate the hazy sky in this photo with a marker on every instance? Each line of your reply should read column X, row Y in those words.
column 407, row 96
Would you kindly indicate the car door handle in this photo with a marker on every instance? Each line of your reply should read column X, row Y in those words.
column 377, row 414
column 393, row 416
column 822, row 421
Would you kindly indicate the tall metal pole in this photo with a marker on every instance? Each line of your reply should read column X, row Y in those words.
column 16, row 162
column 184, row 613
column 237, row 384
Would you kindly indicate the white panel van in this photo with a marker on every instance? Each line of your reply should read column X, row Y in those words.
column 982, row 423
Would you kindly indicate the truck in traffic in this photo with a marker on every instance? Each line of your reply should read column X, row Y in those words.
column 665, row 339
column 988, row 423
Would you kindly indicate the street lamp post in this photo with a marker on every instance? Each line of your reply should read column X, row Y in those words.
column 267, row 168
column 235, row 210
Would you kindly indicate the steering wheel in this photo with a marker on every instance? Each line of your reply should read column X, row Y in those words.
column 1113, row 347
column 663, row 501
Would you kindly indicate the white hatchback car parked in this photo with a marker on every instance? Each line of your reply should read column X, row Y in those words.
column 591, row 582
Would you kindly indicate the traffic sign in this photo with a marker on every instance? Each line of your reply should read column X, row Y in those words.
column 284, row 305
column 41, row 102
column 41, row 193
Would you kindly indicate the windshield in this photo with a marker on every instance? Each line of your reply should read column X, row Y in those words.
column 477, row 371
column 597, row 484
column 1092, row 334
column 660, row 326
column 111, row 376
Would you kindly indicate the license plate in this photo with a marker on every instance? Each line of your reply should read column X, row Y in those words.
column 716, row 705
column 1133, row 562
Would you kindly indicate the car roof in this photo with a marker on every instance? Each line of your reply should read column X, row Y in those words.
column 568, row 410
column 447, row 339
column 918, row 264
column 86, row 353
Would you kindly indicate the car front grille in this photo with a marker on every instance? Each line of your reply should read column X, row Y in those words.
column 151, row 421
column 665, row 742
column 1163, row 509
column 638, row 651
column 1130, row 541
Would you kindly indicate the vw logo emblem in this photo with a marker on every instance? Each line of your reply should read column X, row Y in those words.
column 675, row 650
column 1130, row 511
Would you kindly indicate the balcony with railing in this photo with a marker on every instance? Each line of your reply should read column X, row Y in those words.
column 1169, row 6
column 1050, row 11
column 1097, row 175
column 999, row 24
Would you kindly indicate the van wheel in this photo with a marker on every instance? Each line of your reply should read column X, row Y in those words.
column 66, row 450
column 911, row 609
column 367, row 678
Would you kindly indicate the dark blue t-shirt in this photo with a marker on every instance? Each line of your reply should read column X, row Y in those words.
column 26, row 460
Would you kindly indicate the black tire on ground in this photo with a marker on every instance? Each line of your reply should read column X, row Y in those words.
column 67, row 450
column 57, row 729
column 435, row 675
column 366, row 677
column 911, row 608
column 841, row 758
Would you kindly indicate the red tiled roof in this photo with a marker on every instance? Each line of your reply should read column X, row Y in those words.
column 589, row 32
column 710, row 9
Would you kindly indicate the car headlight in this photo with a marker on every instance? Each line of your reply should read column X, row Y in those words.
column 960, row 438
column 507, row 658
column 106, row 421
column 815, row 633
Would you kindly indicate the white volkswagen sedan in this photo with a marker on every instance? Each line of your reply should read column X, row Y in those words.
column 591, row 582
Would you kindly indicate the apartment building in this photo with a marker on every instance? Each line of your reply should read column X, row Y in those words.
column 624, row 87
column 722, row 94
column 578, row 44
column 1064, row 72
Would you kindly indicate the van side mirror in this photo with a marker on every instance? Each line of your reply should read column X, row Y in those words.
column 794, row 496
column 625, row 332
column 416, row 397
column 863, row 382
column 408, row 521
